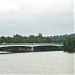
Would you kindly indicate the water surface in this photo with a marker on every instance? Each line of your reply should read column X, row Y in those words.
column 51, row 62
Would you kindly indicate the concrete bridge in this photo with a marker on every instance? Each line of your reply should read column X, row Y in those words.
column 30, row 47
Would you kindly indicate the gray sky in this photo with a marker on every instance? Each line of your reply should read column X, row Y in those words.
column 26, row 17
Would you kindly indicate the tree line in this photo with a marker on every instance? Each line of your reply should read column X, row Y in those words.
column 34, row 39
column 24, row 39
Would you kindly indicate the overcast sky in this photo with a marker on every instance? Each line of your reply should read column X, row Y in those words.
column 26, row 17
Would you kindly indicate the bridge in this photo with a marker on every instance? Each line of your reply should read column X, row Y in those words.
column 30, row 47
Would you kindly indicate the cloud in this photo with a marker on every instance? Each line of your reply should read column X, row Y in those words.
column 37, row 6
column 8, row 7
column 34, row 16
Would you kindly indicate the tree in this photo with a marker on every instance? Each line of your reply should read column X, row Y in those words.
column 17, row 38
column 24, row 39
column 40, row 35
column 69, row 44
column 31, row 39
column 3, row 39
column 8, row 39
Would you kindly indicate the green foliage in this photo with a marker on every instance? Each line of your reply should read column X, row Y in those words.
column 23, row 39
column 31, row 39
column 3, row 39
column 69, row 44
column 17, row 38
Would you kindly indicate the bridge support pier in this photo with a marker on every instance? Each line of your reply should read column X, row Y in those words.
column 32, row 49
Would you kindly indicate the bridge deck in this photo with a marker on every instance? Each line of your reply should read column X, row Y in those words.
column 31, row 45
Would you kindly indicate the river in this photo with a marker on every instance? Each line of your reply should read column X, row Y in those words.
column 51, row 62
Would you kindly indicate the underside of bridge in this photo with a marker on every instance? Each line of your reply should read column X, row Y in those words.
column 16, row 49
column 47, row 48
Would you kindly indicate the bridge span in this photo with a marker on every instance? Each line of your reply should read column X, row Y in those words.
column 30, row 47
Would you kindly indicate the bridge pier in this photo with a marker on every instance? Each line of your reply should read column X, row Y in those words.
column 32, row 49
